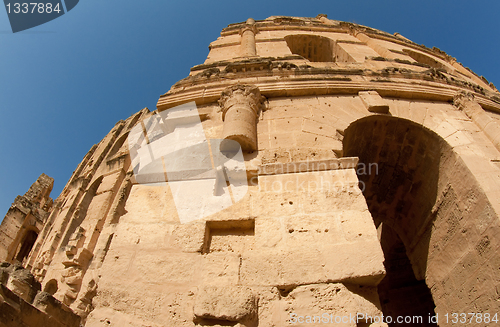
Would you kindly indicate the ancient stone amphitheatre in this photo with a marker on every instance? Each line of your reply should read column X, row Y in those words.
column 309, row 172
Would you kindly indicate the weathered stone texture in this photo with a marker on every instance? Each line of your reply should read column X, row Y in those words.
column 23, row 304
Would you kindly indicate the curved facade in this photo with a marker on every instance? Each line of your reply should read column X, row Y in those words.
column 371, row 179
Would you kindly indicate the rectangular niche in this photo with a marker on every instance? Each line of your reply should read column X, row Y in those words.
column 234, row 236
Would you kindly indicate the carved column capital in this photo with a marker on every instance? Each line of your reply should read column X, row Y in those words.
column 250, row 28
column 463, row 99
column 240, row 106
column 248, row 95
column 355, row 30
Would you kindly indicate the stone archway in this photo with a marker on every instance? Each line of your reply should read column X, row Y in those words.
column 429, row 210
column 26, row 245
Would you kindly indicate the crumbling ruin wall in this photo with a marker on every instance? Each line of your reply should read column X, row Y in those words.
column 24, row 221
column 24, row 304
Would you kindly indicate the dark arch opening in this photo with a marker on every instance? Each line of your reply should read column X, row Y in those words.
column 118, row 145
column 312, row 47
column 51, row 287
column 400, row 292
column 135, row 119
column 400, row 194
column 429, row 206
column 26, row 245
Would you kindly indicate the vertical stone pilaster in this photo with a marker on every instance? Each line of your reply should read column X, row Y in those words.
column 473, row 110
column 248, row 47
column 240, row 106
column 381, row 50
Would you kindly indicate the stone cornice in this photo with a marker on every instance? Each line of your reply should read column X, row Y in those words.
column 397, row 87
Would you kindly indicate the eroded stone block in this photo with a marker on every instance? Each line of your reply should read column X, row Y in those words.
column 374, row 102
column 57, row 310
column 23, row 283
column 231, row 303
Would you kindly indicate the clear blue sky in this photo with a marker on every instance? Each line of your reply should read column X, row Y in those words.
column 64, row 84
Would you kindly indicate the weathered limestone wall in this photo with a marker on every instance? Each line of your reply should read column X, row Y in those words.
column 258, row 251
column 76, row 236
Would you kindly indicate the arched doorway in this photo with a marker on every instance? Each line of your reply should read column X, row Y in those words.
column 425, row 203
column 26, row 245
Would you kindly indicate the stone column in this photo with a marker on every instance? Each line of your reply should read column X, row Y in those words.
column 248, row 47
column 466, row 102
column 240, row 106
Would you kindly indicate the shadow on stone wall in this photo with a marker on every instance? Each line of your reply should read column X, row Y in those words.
column 399, row 172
